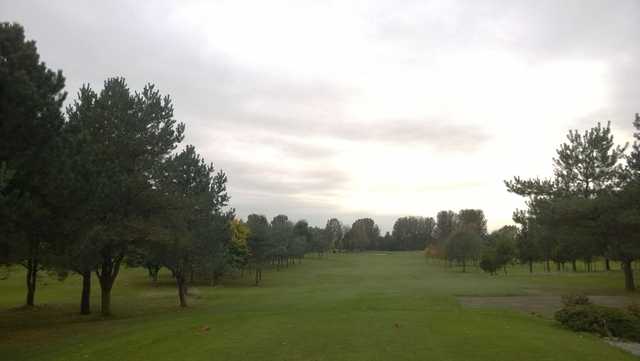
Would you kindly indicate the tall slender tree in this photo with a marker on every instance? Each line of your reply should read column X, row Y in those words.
column 31, row 121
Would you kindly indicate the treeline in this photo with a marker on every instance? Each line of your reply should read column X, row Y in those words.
column 104, row 183
column 107, row 183
column 588, row 210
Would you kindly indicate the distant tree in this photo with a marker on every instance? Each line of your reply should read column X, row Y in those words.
column 239, row 247
column 281, row 236
column 527, row 250
column 462, row 246
column 388, row 242
column 504, row 242
column 302, row 240
column 364, row 232
column 258, row 242
column 413, row 233
column 31, row 122
column 472, row 220
column 334, row 233
column 489, row 260
column 446, row 223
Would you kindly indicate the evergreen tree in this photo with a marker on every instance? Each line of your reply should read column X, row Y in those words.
column 123, row 138
column 31, row 121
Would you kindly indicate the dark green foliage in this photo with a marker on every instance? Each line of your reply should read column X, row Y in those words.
column 31, row 121
column 463, row 246
column 412, row 233
column 258, row 243
column 472, row 220
column 446, row 223
column 280, row 236
column 121, row 139
column 334, row 233
column 489, row 261
column 604, row 321
column 583, row 212
column 194, row 235
column 363, row 235
column 499, row 250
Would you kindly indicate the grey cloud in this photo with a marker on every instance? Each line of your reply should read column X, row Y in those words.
column 222, row 101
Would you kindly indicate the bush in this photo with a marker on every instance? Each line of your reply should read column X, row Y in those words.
column 605, row 321
column 575, row 299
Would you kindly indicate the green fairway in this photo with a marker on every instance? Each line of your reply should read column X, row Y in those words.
column 368, row 306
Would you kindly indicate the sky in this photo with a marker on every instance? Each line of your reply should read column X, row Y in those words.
column 351, row 109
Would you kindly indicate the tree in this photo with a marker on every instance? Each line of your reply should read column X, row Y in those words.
column 239, row 247
column 504, row 242
column 472, row 220
column 281, row 235
column 619, row 222
column 412, row 233
column 334, row 232
column 127, row 136
column 462, row 246
column 587, row 165
column 193, row 204
column 634, row 157
column 258, row 242
column 446, row 223
column 364, row 232
column 31, row 121
column 527, row 250
column 301, row 240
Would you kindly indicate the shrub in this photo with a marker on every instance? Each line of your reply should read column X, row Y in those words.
column 575, row 299
column 605, row 321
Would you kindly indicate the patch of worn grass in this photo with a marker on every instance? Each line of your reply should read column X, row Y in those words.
column 345, row 307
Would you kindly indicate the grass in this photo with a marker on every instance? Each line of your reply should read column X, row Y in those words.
column 346, row 307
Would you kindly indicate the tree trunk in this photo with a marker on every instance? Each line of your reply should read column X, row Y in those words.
column 106, row 300
column 574, row 266
column 530, row 266
column 107, row 273
column 32, row 273
column 629, row 284
column 153, row 273
column 182, row 292
column 607, row 266
column 257, row 276
column 464, row 265
column 85, row 298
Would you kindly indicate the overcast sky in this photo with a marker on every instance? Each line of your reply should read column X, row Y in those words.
column 320, row 109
